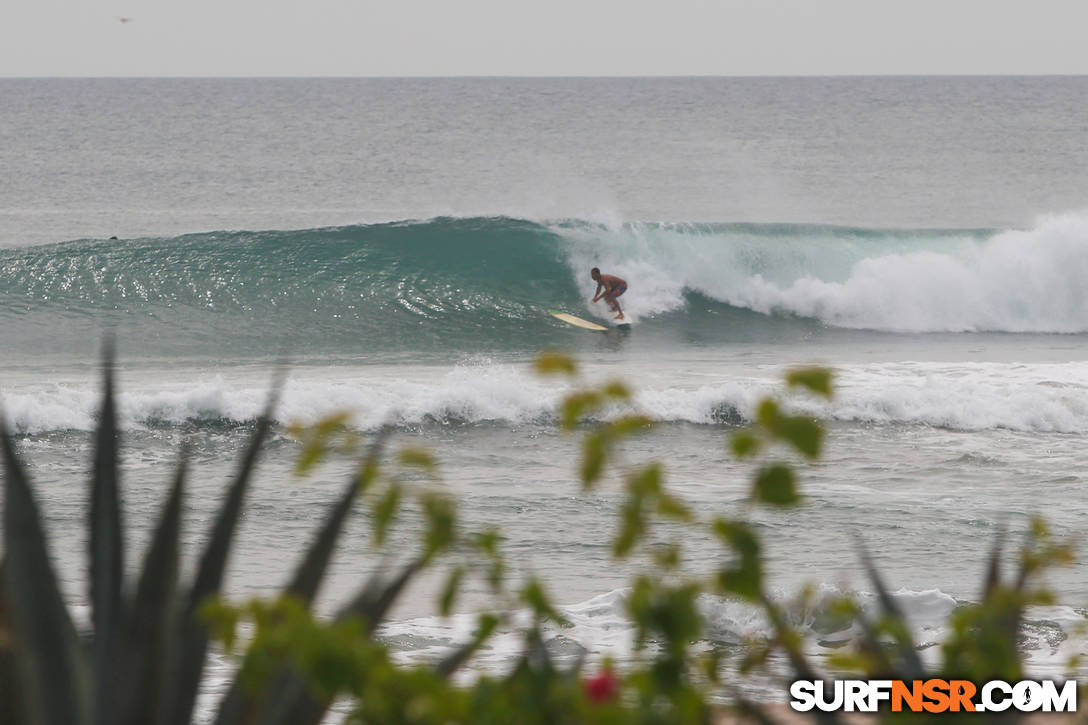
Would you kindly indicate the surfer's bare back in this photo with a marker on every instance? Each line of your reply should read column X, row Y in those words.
column 612, row 287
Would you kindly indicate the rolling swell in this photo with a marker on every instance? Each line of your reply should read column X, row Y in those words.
column 484, row 285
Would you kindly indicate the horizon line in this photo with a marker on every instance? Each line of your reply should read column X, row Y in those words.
column 546, row 77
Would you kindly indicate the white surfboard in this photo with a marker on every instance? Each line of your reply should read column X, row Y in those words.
column 577, row 321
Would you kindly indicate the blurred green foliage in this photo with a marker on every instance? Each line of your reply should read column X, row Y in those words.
column 292, row 665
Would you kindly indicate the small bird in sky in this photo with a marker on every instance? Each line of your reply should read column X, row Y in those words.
column 125, row 20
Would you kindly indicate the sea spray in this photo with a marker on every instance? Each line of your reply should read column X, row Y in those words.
column 916, row 281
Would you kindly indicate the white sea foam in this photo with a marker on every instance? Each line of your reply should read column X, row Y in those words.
column 600, row 627
column 1014, row 281
column 1051, row 397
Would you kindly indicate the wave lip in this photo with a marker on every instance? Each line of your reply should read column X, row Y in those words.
column 896, row 281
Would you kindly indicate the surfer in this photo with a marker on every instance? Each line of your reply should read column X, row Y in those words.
column 612, row 287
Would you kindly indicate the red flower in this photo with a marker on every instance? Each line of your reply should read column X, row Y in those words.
column 602, row 687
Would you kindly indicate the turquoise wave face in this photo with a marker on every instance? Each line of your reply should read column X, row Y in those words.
column 459, row 284
column 446, row 285
column 484, row 285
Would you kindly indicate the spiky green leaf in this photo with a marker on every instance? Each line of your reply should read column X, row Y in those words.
column 385, row 510
column 292, row 702
column 150, row 636
column 485, row 626
column 536, row 596
column 450, row 590
column 56, row 680
column 311, row 570
column 106, row 551
column 912, row 663
column 193, row 639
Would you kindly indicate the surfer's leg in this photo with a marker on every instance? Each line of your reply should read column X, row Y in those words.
column 615, row 303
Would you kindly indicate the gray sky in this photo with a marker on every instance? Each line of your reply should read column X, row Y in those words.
column 544, row 37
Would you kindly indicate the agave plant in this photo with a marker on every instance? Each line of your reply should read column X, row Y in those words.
column 143, row 656
column 141, row 659
column 982, row 644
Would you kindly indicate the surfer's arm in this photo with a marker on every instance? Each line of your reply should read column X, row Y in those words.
column 597, row 294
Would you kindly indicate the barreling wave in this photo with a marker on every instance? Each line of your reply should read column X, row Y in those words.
column 445, row 283
column 482, row 284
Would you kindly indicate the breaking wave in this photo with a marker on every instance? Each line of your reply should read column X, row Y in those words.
column 1050, row 397
column 481, row 284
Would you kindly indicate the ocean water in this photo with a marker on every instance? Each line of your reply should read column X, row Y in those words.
column 399, row 243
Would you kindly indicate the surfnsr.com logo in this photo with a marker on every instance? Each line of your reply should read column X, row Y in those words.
column 933, row 696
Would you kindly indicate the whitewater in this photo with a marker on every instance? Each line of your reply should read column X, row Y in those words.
column 1044, row 398
column 392, row 247
column 900, row 281
column 961, row 394
column 481, row 284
